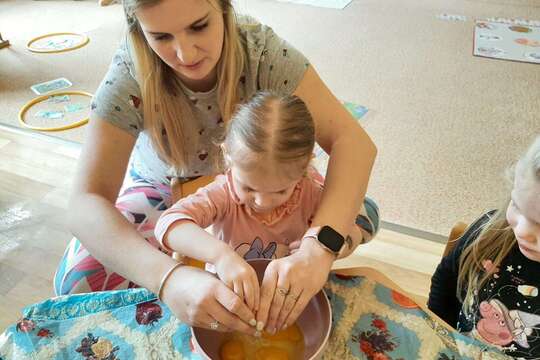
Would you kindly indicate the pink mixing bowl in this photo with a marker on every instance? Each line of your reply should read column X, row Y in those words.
column 315, row 323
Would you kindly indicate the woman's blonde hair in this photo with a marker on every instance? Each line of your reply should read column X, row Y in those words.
column 496, row 237
column 167, row 110
column 272, row 130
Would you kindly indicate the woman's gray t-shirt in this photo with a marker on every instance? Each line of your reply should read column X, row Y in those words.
column 271, row 64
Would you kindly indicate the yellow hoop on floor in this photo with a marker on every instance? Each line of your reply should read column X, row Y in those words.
column 42, row 98
column 85, row 41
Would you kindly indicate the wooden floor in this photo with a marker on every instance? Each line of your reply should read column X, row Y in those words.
column 35, row 178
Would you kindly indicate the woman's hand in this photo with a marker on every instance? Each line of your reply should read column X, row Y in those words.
column 289, row 284
column 199, row 299
column 240, row 277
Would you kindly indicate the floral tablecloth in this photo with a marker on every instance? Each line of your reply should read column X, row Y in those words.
column 370, row 321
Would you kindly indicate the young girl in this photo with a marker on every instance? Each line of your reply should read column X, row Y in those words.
column 488, row 285
column 265, row 202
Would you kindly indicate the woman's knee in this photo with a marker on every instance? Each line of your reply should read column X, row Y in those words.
column 79, row 272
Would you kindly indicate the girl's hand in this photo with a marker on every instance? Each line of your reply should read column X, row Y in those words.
column 289, row 284
column 294, row 246
column 199, row 299
column 240, row 277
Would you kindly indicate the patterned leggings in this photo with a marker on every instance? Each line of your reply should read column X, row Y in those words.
column 142, row 203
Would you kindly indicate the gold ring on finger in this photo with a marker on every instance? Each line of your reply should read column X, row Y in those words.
column 214, row 325
column 294, row 297
column 283, row 292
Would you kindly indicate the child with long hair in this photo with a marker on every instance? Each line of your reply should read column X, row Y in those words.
column 488, row 285
column 264, row 204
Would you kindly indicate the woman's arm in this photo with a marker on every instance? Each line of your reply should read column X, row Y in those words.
column 352, row 154
column 93, row 218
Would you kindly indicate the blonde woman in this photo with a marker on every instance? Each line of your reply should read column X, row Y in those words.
column 488, row 285
column 161, row 107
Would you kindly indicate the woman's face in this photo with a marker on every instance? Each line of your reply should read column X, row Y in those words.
column 188, row 36
column 523, row 215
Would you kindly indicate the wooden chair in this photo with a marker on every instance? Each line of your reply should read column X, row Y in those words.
column 457, row 230
column 3, row 43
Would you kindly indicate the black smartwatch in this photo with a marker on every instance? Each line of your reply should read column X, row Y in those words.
column 329, row 238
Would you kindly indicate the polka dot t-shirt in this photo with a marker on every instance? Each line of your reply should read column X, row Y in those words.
column 271, row 64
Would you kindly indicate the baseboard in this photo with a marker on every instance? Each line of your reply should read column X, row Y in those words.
column 414, row 232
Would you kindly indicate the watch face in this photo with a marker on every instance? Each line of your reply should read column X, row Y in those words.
column 331, row 238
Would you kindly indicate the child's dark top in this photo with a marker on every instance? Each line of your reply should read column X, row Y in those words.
column 505, row 312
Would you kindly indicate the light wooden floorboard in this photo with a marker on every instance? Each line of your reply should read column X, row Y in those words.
column 35, row 177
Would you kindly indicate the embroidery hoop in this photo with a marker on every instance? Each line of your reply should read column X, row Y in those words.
column 42, row 98
column 83, row 41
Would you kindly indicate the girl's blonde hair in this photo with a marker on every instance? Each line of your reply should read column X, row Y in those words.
column 168, row 114
column 271, row 130
column 496, row 237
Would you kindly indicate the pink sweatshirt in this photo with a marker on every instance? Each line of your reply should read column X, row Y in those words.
column 217, row 204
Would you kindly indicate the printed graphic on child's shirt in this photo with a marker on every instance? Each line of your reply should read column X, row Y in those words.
column 507, row 307
column 500, row 326
column 257, row 250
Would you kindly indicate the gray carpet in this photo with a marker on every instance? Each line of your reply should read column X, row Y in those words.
column 446, row 123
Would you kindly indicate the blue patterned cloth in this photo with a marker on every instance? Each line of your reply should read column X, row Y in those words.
column 370, row 321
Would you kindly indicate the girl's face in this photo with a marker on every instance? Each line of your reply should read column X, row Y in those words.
column 188, row 36
column 523, row 215
column 262, row 191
